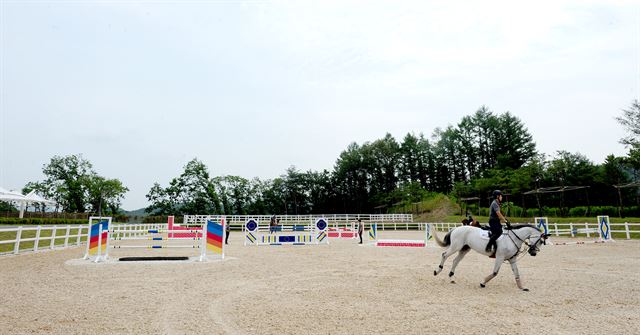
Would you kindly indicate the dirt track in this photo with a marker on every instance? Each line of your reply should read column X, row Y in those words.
column 340, row 288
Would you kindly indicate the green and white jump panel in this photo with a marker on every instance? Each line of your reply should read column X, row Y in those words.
column 316, row 235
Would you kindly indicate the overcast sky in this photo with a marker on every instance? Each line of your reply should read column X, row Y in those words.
column 252, row 87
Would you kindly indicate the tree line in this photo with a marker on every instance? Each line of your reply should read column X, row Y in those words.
column 73, row 184
column 483, row 152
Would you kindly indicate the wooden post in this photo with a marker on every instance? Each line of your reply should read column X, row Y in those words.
column 16, row 248
column 66, row 236
column 53, row 238
column 35, row 243
column 619, row 202
column 626, row 228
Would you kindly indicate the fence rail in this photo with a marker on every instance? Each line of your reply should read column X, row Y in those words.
column 14, row 240
column 20, row 239
column 573, row 229
column 234, row 220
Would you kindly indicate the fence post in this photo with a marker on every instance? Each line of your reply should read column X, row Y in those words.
column 79, row 239
column 16, row 248
column 626, row 229
column 586, row 228
column 53, row 238
column 571, row 229
column 66, row 236
column 37, row 240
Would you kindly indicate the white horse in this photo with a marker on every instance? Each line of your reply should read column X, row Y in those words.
column 464, row 238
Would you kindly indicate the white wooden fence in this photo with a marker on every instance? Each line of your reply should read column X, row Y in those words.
column 337, row 219
column 60, row 237
column 54, row 237
column 585, row 229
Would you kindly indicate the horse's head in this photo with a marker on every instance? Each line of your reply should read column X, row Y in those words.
column 535, row 241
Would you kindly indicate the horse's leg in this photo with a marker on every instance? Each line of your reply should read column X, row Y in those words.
column 457, row 260
column 516, row 273
column 445, row 255
column 496, row 268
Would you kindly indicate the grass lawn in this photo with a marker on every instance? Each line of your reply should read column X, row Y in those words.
column 61, row 232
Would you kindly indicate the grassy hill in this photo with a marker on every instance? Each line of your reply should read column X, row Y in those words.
column 436, row 207
column 440, row 208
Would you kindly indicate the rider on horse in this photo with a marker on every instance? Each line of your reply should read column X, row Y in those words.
column 495, row 219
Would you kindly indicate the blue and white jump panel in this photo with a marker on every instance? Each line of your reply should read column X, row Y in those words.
column 604, row 228
column 542, row 223
column 316, row 235
column 286, row 239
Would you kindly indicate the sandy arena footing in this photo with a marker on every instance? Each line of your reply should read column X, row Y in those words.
column 326, row 289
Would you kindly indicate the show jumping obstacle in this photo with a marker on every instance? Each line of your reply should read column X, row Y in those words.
column 349, row 231
column 98, row 238
column 603, row 230
column 188, row 231
column 317, row 234
column 209, row 238
column 373, row 239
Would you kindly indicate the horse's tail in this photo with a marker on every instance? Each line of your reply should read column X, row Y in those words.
column 447, row 238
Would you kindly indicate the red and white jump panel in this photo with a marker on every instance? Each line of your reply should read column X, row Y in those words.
column 342, row 233
column 188, row 232
column 401, row 243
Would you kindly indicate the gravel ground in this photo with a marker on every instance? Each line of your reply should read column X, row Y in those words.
column 341, row 288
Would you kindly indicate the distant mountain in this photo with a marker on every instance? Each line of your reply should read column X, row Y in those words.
column 137, row 212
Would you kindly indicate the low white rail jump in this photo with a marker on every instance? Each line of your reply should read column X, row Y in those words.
column 349, row 231
column 374, row 240
column 209, row 238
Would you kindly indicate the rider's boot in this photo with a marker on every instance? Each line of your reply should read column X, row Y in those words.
column 491, row 247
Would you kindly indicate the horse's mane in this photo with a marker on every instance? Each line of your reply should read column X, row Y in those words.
column 519, row 226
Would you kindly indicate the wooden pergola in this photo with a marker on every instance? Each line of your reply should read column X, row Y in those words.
column 467, row 200
column 557, row 189
column 621, row 186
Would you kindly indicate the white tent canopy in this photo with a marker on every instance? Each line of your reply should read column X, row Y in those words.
column 23, row 200
column 32, row 197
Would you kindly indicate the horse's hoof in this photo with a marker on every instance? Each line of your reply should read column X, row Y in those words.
column 482, row 285
column 435, row 273
column 525, row 289
column 453, row 282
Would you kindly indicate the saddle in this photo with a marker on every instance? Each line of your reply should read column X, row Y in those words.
column 474, row 223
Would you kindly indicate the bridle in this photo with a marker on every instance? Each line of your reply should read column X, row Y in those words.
column 532, row 248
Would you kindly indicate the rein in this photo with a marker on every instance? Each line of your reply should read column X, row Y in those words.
column 520, row 252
